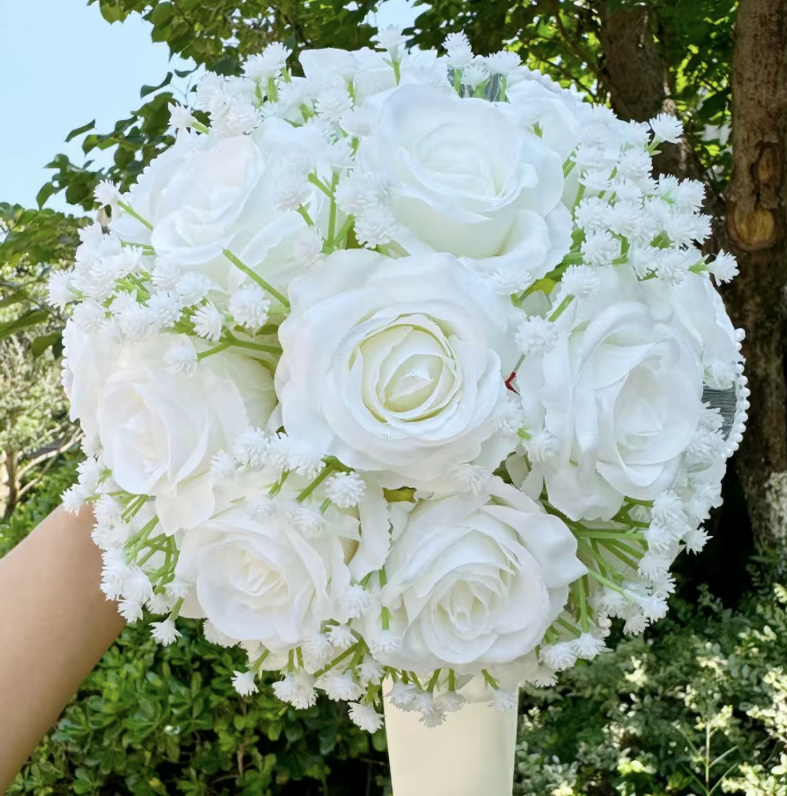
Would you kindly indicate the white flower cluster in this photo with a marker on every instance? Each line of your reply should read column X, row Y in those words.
column 403, row 372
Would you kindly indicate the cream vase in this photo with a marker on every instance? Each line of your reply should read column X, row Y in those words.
column 471, row 754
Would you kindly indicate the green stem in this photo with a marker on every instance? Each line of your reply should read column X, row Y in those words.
column 277, row 487
column 584, row 616
column 254, row 667
column 580, row 194
column 266, row 349
column 490, row 681
column 332, row 211
column 326, row 471
column 133, row 213
column 139, row 286
column 134, row 505
column 152, row 550
column 342, row 233
column 141, row 536
column 598, row 557
column 610, row 584
column 561, row 309
column 569, row 627
column 591, row 533
column 215, row 350
column 280, row 297
column 315, row 180
column 336, row 661
column 176, row 609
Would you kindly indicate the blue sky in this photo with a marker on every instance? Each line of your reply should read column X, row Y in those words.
column 64, row 65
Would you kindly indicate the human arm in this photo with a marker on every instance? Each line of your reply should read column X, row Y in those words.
column 55, row 624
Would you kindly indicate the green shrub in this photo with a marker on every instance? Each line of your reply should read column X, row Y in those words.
column 698, row 707
column 153, row 720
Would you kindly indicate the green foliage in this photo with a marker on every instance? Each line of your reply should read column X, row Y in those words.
column 32, row 411
column 156, row 721
column 32, row 243
column 218, row 35
column 699, row 707
column 152, row 720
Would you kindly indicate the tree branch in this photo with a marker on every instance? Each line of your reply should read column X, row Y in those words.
column 756, row 216
column 49, row 453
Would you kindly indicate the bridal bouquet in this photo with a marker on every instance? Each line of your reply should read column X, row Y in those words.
column 399, row 374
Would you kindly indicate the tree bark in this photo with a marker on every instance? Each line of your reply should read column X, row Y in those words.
column 637, row 79
column 756, row 215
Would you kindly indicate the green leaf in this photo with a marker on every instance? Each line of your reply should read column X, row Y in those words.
column 145, row 90
column 40, row 344
column 79, row 130
column 46, row 191
column 32, row 318
column 161, row 14
column 379, row 741
column 112, row 12
column 15, row 298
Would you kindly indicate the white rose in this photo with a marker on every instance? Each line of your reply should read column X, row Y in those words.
column 150, row 189
column 159, row 430
column 394, row 366
column 369, row 70
column 207, row 197
column 465, row 178
column 261, row 578
column 264, row 581
column 622, row 396
column 531, row 103
column 474, row 581
column 87, row 358
column 695, row 307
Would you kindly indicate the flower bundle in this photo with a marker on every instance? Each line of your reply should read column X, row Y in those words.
column 404, row 372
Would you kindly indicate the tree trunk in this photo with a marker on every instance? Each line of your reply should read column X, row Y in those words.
column 756, row 214
column 637, row 79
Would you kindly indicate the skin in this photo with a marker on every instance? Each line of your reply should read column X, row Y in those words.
column 55, row 624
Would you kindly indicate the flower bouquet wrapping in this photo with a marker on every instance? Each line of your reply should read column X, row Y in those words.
column 403, row 373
